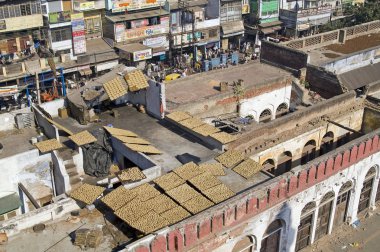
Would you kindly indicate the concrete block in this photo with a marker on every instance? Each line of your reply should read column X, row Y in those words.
column 263, row 203
column 361, row 150
column 368, row 148
column 375, row 144
column 354, row 154
column 241, row 211
column 229, row 216
column 321, row 171
column 329, row 167
column 252, row 207
column 311, row 180
column 346, row 159
column 302, row 180
column 217, row 223
column 338, row 162
column 293, row 182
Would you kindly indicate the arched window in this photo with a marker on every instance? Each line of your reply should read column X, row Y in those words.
column 365, row 194
column 342, row 204
column 327, row 143
column 268, row 165
column 265, row 116
column 308, row 152
column 282, row 109
column 246, row 244
column 272, row 237
column 324, row 214
column 305, row 226
column 284, row 163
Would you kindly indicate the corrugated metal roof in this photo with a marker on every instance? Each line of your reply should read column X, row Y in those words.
column 360, row 77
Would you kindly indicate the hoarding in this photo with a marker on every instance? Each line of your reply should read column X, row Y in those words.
column 59, row 17
column 79, row 38
column 142, row 55
column 148, row 30
column 129, row 5
column 119, row 32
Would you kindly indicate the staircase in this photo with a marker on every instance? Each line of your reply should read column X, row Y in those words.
column 66, row 155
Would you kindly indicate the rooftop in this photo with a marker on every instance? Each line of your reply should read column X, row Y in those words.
column 206, row 85
column 16, row 141
column 321, row 55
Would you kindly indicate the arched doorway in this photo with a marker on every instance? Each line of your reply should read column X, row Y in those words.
column 308, row 152
column 305, row 226
column 324, row 214
column 365, row 194
column 269, row 166
column 265, row 116
column 246, row 244
column 327, row 143
column 342, row 204
column 272, row 237
column 284, row 163
column 282, row 109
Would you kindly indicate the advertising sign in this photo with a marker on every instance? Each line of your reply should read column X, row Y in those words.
column 161, row 41
column 119, row 32
column 87, row 6
column 245, row 9
column 59, row 17
column 129, row 5
column 148, row 30
column 142, row 55
column 79, row 38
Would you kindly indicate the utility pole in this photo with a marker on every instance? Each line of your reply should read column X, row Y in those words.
column 38, row 89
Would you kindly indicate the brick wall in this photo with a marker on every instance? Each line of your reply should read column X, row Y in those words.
column 325, row 83
column 204, row 232
column 283, row 56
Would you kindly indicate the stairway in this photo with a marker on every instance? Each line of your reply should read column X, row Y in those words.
column 67, row 156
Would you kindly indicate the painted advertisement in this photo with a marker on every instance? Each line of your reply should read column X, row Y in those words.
column 155, row 42
column 119, row 32
column 79, row 38
column 142, row 55
column 130, row 5
column 148, row 30
column 59, row 17
column 83, row 6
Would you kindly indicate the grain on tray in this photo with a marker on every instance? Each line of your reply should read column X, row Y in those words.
column 169, row 181
column 87, row 193
column 230, row 158
column 161, row 203
column 178, row 116
column 145, row 191
column 143, row 148
column 224, row 137
column 82, row 138
column 119, row 132
column 247, row 168
column 188, row 170
column 191, row 123
column 197, row 204
column 215, row 169
column 150, row 222
column 133, row 210
column 205, row 130
column 204, row 181
column 48, row 145
column 131, row 174
column 132, row 140
column 183, row 193
column 175, row 215
column 118, row 197
column 218, row 193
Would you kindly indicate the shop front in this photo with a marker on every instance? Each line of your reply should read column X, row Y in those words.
column 135, row 54
column 232, row 33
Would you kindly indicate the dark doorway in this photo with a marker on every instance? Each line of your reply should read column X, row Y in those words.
column 342, row 204
column 308, row 152
column 272, row 237
column 324, row 213
column 365, row 194
column 305, row 226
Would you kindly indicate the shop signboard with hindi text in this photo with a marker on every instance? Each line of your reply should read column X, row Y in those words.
column 79, row 38
column 131, row 5
column 142, row 55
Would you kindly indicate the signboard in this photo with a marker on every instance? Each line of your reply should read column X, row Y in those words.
column 59, row 17
column 187, row 38
column 79, row 38
column 161, row 41
column 148, row 30
column 3, row 25
column 245, row 9
column 87, row 6
column 142, row 55
column 119, row 32
column 130, row 5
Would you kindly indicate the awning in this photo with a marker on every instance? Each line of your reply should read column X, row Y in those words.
column 135, row 51
column 233, row 28
column 133, row 47
column 85, row 72
column 270, row 24
column 270, row 30
column 137, row 15
column 9, row 203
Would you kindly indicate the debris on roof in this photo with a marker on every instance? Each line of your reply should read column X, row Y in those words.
column 131, row 174
column 188, row 171
column 218, row 193
column 48, row 145
column 169, row 181
column 230, row 158
column 178, row 116
column 215, row 169
column 136, row 80
column 118, row 198
column 247, row 168
column 87, row 193
column 115, row 88
column 82, row 138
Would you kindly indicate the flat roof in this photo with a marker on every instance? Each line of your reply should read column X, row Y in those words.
column 206, row 84
column 137, row 15
column 16, row 141
column 324, row 54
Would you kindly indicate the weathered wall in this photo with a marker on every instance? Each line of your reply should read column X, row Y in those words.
column 323, row 82
column 49, row 130
column 249, row 213
column 53, row 106
column 7, row 120
column 61, row 178
column 282, row 56
column 156, row 101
